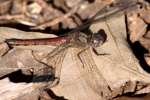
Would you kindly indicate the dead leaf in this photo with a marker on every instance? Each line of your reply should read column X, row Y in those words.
column 5, row 6
column 145, row 13
column 21, row 91
column 136, row 25
column 147, row 58
column 120, row 69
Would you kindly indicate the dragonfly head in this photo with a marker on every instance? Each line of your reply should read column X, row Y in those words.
column 98, row 38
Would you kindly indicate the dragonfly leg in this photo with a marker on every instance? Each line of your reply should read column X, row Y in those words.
column 54, row 83
column 99, row 54
column 79, row 56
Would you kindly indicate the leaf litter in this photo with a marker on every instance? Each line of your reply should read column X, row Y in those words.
column 120, row 68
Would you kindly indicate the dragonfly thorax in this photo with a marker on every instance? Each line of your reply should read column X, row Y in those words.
column 92, row 39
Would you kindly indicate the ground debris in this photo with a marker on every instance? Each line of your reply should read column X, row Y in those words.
column 40, row 14
column 113, row 71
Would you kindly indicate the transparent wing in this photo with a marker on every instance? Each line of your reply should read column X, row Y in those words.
column 92, row 74
column 53, row 61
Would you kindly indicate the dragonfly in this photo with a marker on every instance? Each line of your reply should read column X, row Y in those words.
column 81, row 38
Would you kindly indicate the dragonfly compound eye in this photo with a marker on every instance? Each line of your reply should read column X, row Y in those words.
column 98, row 38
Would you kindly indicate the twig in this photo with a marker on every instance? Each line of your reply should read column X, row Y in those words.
column 9, row 17
column 58, row 19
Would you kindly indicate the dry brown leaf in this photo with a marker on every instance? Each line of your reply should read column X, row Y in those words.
column 145, row 13
column 147, row 58
column 119, row 68
column 136, row 25
column 145, row 42
column 5, row 6
column 21, row 91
